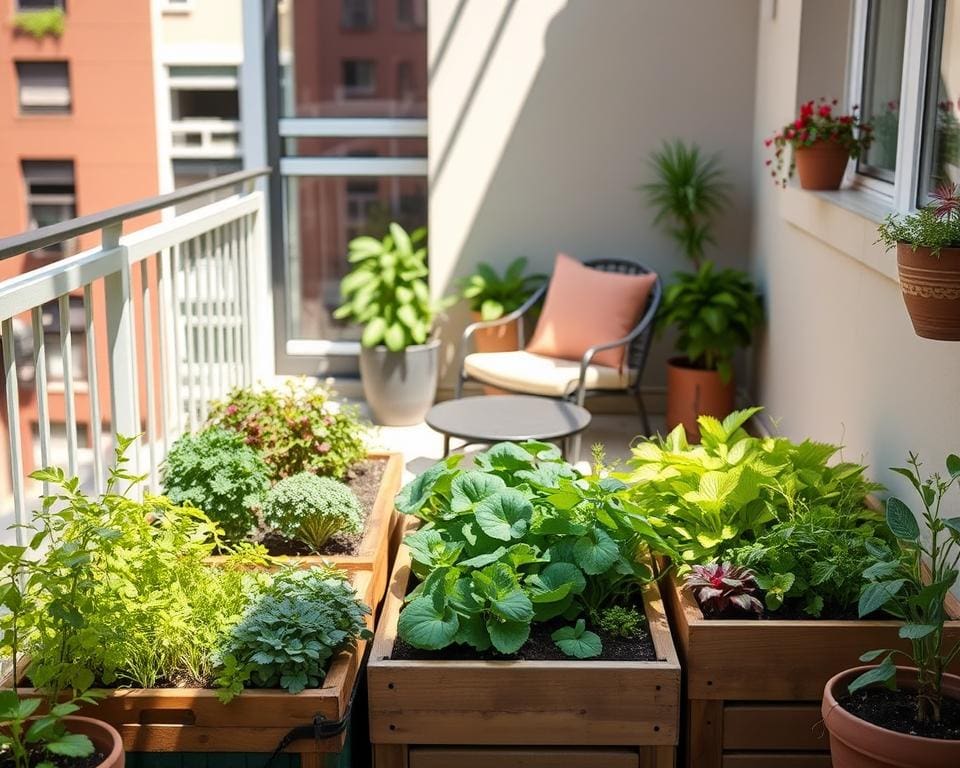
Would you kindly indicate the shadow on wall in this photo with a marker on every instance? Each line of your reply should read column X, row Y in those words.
column 534, row 152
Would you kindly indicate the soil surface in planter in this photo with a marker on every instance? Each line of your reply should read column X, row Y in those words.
column 363, row 479
column 43, row 756
column 895, row 711
column 792, row 613
column 540, row 647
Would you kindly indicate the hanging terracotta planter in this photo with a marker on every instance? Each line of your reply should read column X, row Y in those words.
column 822, row 165
column 693, row 392
column 931, row 290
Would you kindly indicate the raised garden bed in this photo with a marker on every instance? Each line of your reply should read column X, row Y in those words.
column 374, row 549
column 429, row 713
column 753, row 687
column 194, row 719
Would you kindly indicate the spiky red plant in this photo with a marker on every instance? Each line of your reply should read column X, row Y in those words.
column 947, row 200
column 721, row 586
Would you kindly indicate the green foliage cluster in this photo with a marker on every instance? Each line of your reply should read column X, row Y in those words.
column 621, row 621
column 899, row 584
column 494, row 296
column 715, row 312
column 921, row 229
column 291, row 631
column 386, row 291
column 761, row 502
column 520, row 539
column 294, row 428
column 312, row 509
column 39, row 24
column 217, row 472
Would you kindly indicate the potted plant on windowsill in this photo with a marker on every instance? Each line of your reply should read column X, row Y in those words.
column 822, row 144
column 888, row 715
column 715, row 311
column 928, row 260
column 387, row 293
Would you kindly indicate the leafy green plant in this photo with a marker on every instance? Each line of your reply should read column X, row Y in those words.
column 39, row 24
column 520, row 539
column 295, row 428
column 720, row 587
column 715, row 313
column 899, row 585
column 620, row 621
column 934, row 226
column 217, row 472
column 312, row 509
column 386, row 291
column 494, row 296
column 710, row 498
column 688, row 193
column 291, row 631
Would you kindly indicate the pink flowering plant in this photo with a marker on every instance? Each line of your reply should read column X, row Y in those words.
column 295, row 428
column 816, row 124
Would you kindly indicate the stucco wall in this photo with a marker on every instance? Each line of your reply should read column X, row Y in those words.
column 839, row 361
column 208, row 31
column 543, row 114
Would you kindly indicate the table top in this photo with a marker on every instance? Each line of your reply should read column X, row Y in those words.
column 496, row 418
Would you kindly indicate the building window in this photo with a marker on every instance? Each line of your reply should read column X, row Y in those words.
column 940, row 153
column 359, row 78
column 204, row 112
column 357, row 14
column 40, row 5
column 51, row 197
column 44, row 87
column 412, row 14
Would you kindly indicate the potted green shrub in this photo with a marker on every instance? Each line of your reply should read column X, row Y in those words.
column 387, row 293
column 928, row 260
column 715, row 311
column 886, row 714
column 822, row 144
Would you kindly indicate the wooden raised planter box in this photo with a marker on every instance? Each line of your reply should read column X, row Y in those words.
column 753, row 687
column 375, row 547
column 194, row 719
column 535, row 714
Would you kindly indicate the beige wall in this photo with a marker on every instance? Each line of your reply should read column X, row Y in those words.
column 839, row 361
column 543, row 114
column 208, row 31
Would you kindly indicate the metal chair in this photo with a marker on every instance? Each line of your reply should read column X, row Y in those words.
column 636, row 344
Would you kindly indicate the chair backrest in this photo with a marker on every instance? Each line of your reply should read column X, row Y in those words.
column 640, row 348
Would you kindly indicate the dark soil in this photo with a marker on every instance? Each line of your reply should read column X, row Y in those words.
column 41, row 756
column 895, row 711
column 364, row 480
column 540, row 647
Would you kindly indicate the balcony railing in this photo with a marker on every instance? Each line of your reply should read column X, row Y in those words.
column 169, row 319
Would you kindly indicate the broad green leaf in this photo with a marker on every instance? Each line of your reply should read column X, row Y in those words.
column 514, row 606
column 373, row 332
column 885, row 673
column 596, row 552
column 394, row 337
column 916, row 631
column 881, row 570
column 577, row 641
column 873, row 655
column 27, row 707
column 504, row 516
column 508, row 636
column 901, row 521
column 473, row 632
column 470, row 487
column 953, row 465
column 485, row 559
column 71, row 745
column 424, row 626
column 876, row 594
column 504, row 456
column 418, row 491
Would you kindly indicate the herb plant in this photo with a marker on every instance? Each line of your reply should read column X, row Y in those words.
column 291, row 631
column 817, row 124
column 312, row 509
column 620, row 621
column 217, row 472
column 295, row 428
column 494, row 296
column 386, row 292
column 934, row 226
column 898, row 585
column 720, row 587
column 521, row 539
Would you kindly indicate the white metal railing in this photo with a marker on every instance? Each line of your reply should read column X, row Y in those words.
column 169, row 317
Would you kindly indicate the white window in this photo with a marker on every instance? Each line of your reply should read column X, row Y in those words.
column 44, row 87
column 940, row 135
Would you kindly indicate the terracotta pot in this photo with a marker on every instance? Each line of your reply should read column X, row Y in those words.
column 693, row 392
column 855, row 743
column 821, row 166
column 103, row 735
column 502, row 338
column 931, row 290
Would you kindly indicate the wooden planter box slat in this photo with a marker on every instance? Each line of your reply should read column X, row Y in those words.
column 519, row 703
column 427, row 757
column 194, row 720
column 740, row 674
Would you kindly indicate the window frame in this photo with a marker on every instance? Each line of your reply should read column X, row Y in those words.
column 28, row 110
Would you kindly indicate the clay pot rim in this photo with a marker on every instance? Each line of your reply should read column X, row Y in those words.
column 824, row 145
column 830, row 705
column 917, row 249
column 683, row 363
column 433, row 343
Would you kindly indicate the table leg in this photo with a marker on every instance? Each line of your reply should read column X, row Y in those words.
column 446, row 445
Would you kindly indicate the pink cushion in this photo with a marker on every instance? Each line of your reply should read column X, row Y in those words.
column 585, row 307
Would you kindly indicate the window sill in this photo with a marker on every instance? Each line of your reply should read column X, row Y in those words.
column 845, row 220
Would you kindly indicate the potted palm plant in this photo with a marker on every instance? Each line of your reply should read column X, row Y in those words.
column 886, row 714
column 822, row 143
column 715, row 311
column 386, row 292
column 928, row 260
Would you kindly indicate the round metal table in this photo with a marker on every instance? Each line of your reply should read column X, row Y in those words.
column 513, row 418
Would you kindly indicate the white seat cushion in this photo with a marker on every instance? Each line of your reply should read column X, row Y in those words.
column 538, row 375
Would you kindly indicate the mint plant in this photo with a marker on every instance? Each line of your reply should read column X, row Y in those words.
column 521, row 539
column 898, row 585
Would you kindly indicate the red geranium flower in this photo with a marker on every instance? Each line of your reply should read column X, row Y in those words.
column 825, row 110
